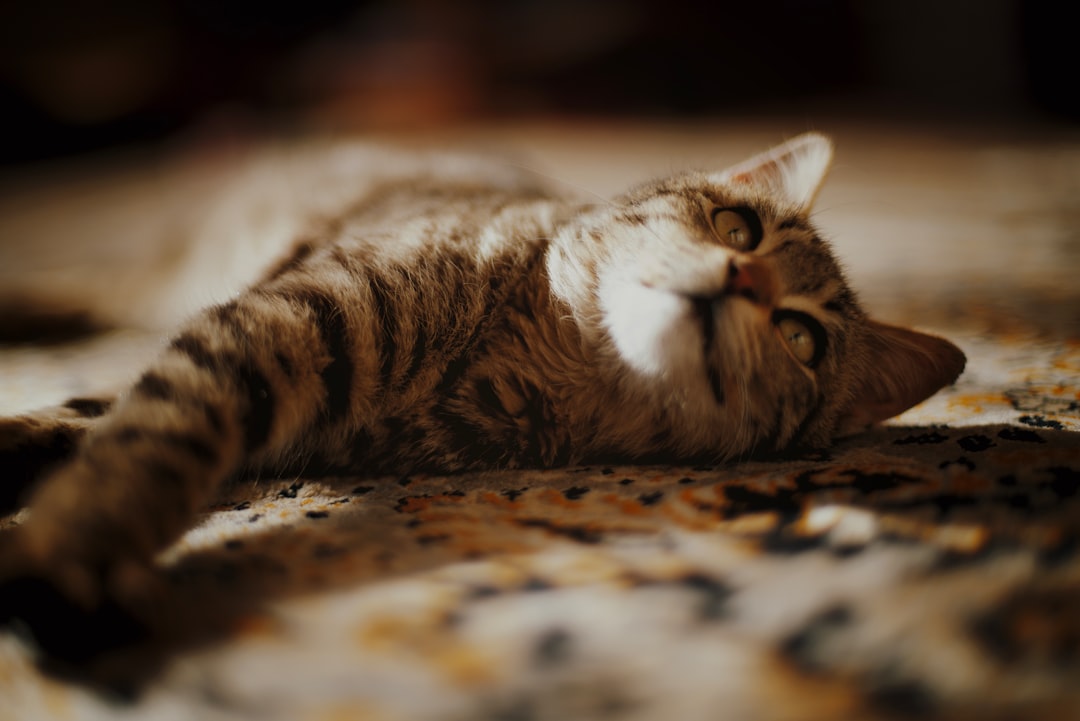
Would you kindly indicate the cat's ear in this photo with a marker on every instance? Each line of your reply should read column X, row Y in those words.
column 794, row 170
column 902, row 367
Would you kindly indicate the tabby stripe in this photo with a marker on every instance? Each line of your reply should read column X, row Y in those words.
column 538, row 411
column 769, row 425
column 452, row 374
column 213, row 417
column 360, row 449
column 703, row 308
column 456, row 367
column 445, row 325
column 196, row 351
column 346, row 261
column 337, row 375
column 406, row 449
column 299, row 254
column 561, row 457
column 772, row 441
column 716, row 384
column 226, row 314
column 89, row 407
column 155, row 386
column 524, row 308
column 450, row 266
column 162, row 471
column 195, row 447
column 469, row 439
column 380, row 297
column 489, row 398
column 258, row 414
column 841, row 303
column 661, row 437
column 783, row 246
column 419, row 354
column 190, row 444
column 807, row 421
column 258, row 417
column 285, row 364
column 765, row 442
column 664, row 193
column 793, row 222
column 536, row 407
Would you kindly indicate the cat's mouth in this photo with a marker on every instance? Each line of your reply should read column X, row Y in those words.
column 705, row 310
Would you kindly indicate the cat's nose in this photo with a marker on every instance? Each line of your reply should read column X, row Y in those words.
column 751, row 278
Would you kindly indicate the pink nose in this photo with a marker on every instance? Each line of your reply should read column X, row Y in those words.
column 751, row 278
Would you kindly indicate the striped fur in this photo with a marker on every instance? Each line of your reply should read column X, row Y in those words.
column 448, row 321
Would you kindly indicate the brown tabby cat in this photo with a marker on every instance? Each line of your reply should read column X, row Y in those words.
column 443, row 322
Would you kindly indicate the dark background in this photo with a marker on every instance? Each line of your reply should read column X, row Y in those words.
column 77, row 77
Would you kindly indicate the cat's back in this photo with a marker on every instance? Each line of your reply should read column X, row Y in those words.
column 463, row 204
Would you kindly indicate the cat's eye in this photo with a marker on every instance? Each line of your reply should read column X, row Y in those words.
column 739, row 228
column 803, row 335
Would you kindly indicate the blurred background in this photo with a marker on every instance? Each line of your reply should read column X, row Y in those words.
column 135, row 129
column 78, row 77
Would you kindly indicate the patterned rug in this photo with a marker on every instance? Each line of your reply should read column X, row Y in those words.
column 927, row 569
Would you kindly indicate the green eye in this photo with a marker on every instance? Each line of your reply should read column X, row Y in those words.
column 798, row 338
column 738, row 228
column 803, row 335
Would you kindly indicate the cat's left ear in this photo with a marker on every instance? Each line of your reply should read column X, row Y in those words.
column 794, row 171
column 902, row 367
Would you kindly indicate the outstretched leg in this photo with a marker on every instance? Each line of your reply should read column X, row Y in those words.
column 239, row 385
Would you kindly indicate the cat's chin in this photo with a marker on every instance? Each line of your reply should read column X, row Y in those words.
column 661, row 335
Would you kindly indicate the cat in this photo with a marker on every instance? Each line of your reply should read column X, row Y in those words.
column 446, row 321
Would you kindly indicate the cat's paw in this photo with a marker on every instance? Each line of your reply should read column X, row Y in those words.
column 68, row 630
column 63, row 633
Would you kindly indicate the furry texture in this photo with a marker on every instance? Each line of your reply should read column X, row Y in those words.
column 450, row 318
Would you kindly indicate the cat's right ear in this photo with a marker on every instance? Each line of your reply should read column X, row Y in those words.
column 793, row 171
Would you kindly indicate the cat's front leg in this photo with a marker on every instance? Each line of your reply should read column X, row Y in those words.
column 239, row 385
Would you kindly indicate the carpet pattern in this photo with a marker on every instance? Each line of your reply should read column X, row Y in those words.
column 926, row 569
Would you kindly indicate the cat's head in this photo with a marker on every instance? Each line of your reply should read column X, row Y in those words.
column 726, row 319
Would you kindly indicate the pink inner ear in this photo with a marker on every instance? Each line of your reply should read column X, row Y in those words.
column 757, row 174
column 791, row 172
